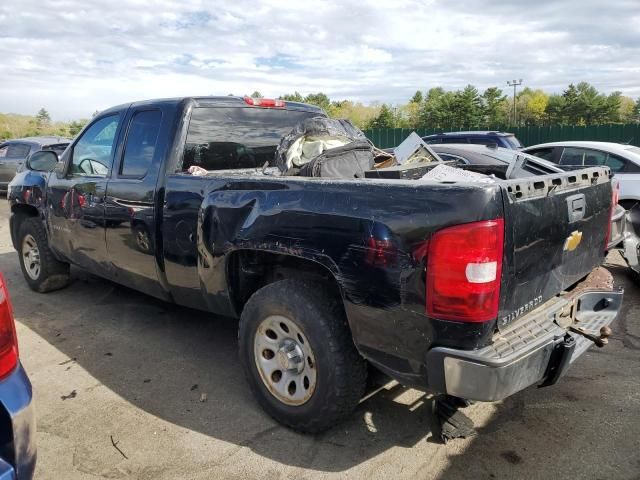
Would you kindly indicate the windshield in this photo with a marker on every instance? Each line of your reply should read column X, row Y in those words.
column 513, row 141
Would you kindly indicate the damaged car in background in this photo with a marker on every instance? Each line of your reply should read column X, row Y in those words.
column 337, row 258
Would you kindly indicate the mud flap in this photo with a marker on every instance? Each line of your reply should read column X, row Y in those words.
column 559, row 361
column 453, row 423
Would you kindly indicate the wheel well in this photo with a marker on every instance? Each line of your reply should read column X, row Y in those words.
column 19, row 213
column 250, row 270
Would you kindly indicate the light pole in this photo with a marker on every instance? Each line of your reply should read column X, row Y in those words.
column 514, row 84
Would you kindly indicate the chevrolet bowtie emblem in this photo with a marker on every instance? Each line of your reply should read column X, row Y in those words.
column 572, row 241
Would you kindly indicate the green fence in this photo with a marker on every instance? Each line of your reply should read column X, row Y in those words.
column 391, row 137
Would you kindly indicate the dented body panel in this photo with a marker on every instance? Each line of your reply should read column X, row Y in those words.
column 203, row 242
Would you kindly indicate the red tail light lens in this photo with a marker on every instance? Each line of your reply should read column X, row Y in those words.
column 8, row 338
column 464, row 267
column 264, row 102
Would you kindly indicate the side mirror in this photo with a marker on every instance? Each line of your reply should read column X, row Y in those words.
column 42, row 161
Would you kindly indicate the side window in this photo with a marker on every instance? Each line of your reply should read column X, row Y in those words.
column 631, row 167
column 483, row 141
column 18, row 150
column 545, row 153
column 572, row 156
column 616, row 163
column 93, row 153
column 594, row 157
column 454, row 140
column 141, row 143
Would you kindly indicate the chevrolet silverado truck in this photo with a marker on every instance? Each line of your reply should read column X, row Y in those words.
column 472, row 289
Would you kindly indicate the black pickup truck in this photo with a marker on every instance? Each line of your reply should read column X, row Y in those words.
column 472, row 289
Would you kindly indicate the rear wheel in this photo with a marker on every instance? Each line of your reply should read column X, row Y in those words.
column 298, row 355
column 42, row 271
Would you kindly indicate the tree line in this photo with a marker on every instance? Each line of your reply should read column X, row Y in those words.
column 437, row 108
column 580, row 104
column 19, row 126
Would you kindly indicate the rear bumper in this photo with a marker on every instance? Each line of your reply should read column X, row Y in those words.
column 16, row 404
column 534, row 350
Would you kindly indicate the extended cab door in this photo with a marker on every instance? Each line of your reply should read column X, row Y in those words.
column 76, row 195
column 130, row 208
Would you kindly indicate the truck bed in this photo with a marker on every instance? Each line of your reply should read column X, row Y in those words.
column 332, row 222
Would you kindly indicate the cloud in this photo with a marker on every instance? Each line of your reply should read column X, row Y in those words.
column 74, row 57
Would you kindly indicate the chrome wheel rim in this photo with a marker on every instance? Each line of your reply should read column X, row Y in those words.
column 31, row 257
column 285, row 360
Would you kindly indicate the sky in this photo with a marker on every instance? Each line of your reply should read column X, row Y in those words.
column 75, row 57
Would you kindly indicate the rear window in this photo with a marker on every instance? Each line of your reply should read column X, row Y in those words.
column 58, row 148
column 512, row 141
column 225, row 138
column 616, row 163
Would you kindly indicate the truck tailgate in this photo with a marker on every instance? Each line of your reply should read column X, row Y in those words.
column 555, row 229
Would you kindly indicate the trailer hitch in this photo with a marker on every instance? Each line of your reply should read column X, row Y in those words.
column 600, row 340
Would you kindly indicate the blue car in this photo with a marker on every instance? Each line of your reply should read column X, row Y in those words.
column 493, row 138
column 17, row 419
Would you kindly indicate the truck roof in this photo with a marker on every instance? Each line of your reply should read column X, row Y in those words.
column 210, row 101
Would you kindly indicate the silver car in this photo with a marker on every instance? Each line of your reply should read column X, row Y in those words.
column 14, row 152
column 623, row 160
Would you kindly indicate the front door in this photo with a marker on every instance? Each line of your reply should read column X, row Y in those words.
column 76, row 196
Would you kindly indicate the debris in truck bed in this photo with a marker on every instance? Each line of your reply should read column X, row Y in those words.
column 445, row 173
column 414, row 150
column 413, row 171
column 312, row 137
column 197, row 171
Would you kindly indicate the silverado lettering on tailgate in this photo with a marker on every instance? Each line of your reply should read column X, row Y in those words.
column 523, row 309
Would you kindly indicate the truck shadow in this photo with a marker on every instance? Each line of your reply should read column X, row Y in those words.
column 162, row 358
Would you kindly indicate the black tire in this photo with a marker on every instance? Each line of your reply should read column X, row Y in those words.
column 341, row 372
column 52, row 274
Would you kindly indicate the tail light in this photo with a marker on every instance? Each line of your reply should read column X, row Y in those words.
column 615, row 197
column 264, row 102
column 464, row 266
column 8, row 338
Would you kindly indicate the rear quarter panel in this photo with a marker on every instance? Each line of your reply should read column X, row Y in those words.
column 329, row 222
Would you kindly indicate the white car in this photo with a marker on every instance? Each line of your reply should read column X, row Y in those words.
column 623, row 160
